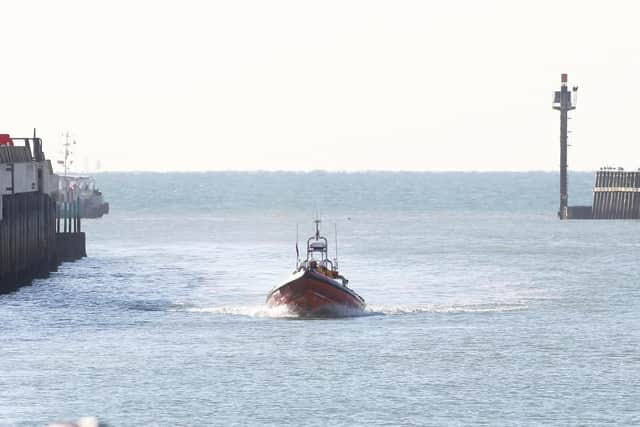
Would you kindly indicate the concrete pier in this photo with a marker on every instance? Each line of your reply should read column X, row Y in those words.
column 70, row 246
column 31, row 242
column 30, row 247
column 616, row 195
column 27, row 239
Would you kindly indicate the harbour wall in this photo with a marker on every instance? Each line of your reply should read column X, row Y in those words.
column 27, row 239
column 30, row 244
column 34, row 239
column 616, row 195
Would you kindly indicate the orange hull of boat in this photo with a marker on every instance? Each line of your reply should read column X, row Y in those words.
column 312, row 294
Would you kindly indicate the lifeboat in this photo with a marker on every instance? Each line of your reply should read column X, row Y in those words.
column 316, row 288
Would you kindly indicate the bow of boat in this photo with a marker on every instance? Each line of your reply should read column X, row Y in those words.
column 311, row 293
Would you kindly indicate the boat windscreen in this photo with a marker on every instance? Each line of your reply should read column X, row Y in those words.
column 317, row 246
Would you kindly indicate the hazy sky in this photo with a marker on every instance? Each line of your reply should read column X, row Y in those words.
column 338, row 85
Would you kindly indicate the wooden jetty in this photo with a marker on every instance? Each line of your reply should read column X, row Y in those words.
column 34, row 240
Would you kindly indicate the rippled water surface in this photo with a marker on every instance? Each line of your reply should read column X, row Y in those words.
column 483, row 308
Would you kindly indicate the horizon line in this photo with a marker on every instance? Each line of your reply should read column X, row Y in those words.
column 338, row 171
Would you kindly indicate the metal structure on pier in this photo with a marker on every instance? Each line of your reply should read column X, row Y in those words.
column 33, row 242
column 616, row 192
column 562, row 102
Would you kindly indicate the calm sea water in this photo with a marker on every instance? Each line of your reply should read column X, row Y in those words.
column 483, row 307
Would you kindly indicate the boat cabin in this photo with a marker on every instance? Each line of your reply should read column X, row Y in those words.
column 318, row 255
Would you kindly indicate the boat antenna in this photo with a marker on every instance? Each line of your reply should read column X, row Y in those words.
column 317, row 222
column 67, row 162
column 297, row 250
column 335, row 229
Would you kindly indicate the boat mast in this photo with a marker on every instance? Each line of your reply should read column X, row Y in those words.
column 297, row 250
column 67, row 162
column 317, row 222
column 335, row 229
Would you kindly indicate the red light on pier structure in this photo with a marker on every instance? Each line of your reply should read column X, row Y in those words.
column 5, row 139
